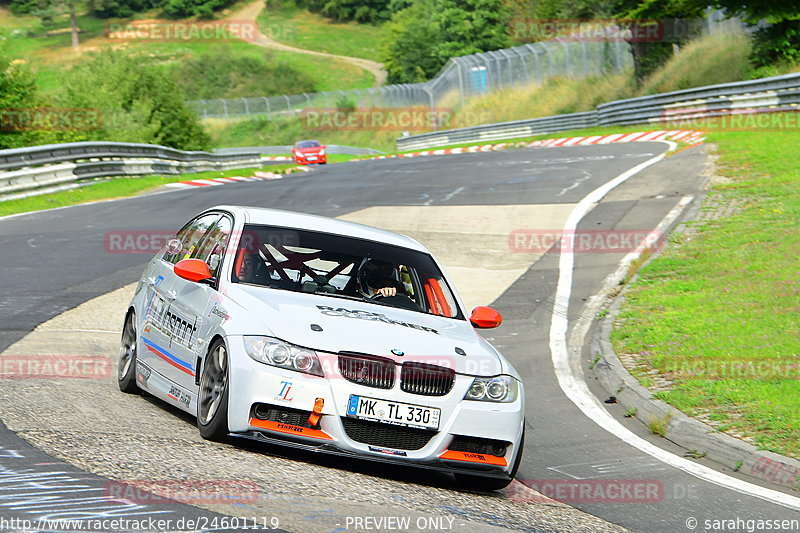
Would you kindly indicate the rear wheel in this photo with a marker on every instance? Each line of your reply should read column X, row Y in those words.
column 212, row 399
column 126, row 370
column 469, row 482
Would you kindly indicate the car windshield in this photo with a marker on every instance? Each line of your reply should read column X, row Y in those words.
column 308, row 144
column 344, row 267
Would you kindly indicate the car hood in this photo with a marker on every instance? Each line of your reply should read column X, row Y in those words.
column 310, row 150
column 335, row 325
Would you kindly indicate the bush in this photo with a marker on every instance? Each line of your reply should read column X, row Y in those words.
column 139, row 103
column 777, row 43
column 220, row 73
column 345, row 10
column 119, row 8
column 193, row 8
column 23, row 7
column 17, row 95
column 345, row 104
column 423, row 37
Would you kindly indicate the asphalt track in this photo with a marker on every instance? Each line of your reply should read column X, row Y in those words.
column 53, row 261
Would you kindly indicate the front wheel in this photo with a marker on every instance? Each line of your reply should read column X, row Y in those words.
column 480, row 483
column 126, row 370
column 212, row 398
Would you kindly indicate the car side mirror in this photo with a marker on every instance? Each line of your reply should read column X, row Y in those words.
column 485, row 317
column 193, row 270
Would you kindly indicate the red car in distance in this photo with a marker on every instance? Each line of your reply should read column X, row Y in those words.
column 308, row 152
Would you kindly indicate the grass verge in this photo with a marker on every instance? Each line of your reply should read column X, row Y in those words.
column 48, row 52
column 117, row 188
column 311, row 31
column 717, row 313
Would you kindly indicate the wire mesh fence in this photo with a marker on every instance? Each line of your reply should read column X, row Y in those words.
column 460, row 78
column 476, row 74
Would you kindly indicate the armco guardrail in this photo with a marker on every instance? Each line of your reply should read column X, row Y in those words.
column 778, row 93
column 502, row 130
column 42, row 168
column 25, row 169
column 287, row 149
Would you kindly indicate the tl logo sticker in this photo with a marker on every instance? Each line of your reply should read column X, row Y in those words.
column 285, row 392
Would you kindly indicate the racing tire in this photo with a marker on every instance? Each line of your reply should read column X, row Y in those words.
column 485, row 484
column 212, row 396
column 126, row 369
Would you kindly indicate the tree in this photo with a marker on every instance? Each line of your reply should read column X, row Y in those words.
column 191, row 8
column 408, row 51
column 138, row 102
column 648, row 56
column 777, row 38
column 423, row 37
column 120, row 8
column 17, row 96
column 47, row 10
column 358, row 10
column 471, row 26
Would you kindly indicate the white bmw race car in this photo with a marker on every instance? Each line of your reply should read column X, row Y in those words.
column 326, row 335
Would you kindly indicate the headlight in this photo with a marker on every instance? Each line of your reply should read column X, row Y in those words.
column 282, row 354
column 322, row 152
column 502, row 389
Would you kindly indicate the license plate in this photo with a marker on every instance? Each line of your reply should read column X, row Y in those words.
column 400, row 414
column 310, row 157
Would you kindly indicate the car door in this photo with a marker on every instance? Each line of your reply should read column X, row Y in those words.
column 163, row 323
column 199, row 308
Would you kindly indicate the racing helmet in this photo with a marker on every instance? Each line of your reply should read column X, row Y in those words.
column 374, row 274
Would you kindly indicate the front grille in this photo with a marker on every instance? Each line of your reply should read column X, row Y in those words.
column 370, row 371
column 386, row 435
column 427, row 380
column 284, row 415
column 477, row 445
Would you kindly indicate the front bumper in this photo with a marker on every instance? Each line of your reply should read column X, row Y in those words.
column 328, row 449
column 308, row 159
column 254, row 383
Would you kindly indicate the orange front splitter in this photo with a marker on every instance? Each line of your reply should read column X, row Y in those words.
column 289, row 429
column 480, row 458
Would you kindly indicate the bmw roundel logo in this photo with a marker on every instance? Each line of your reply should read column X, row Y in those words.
column 397, row 352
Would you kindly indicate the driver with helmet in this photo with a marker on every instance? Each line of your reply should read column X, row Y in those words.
column 378, row 279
